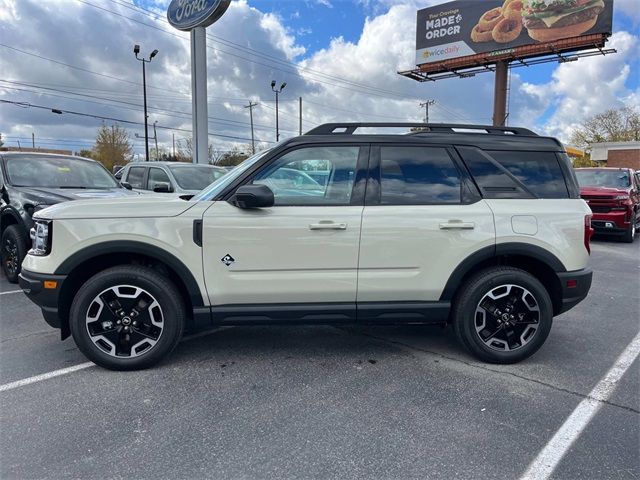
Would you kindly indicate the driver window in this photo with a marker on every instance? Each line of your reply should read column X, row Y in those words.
column 312, row 176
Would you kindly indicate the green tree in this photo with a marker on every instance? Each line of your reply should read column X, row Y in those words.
column 584, row 161
column 112, row 146
column 613, row 125
column 233, row 157
column 1, row 142
column 86, row 153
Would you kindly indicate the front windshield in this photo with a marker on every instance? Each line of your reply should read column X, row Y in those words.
column 57, row 172
column 603, row 178
column 220, row 184
column 195, row 177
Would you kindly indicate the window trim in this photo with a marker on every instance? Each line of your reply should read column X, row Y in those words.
column 359, row 183
column 468, row 194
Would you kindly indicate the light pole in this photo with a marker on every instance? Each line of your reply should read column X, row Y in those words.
column 136, row 51
column 277, row 92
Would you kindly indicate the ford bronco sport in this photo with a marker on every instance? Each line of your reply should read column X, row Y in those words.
column 479, row 227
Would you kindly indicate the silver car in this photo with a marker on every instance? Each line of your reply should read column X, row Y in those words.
column 170, row 177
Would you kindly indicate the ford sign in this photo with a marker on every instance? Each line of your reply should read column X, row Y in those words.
column 189, row 14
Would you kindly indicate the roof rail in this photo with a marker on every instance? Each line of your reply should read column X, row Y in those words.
column 350, row 128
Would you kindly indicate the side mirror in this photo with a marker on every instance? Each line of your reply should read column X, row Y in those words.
column 252, row 196
column 126, row 185
column 162, row 187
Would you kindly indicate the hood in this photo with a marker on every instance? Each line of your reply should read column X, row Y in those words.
column 141, row 206
column 52, row 196
column 595, row 191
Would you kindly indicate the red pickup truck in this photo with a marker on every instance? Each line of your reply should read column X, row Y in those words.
column 613, row 194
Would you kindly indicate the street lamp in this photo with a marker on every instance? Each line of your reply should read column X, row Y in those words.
column 277, row 92
column 136, row 51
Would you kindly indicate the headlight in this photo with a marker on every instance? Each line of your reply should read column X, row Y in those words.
column 41, row 238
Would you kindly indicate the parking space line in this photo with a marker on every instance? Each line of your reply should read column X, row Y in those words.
column 554, row 451
column 45, row 376
column 10, row 291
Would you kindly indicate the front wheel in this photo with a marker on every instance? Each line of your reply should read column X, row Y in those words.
column 503, row 315
column 630, row 235
column 14, row 249
column 127, row 318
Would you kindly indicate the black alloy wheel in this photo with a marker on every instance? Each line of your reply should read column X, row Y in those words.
column 127, row 317
column 14, row 249
column 502, row 315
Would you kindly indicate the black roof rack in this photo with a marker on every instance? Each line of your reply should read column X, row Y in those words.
column 350, row 128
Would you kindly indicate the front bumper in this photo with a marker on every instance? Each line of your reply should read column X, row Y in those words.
column 33, row 285
column 611, row 223
column 575, row 287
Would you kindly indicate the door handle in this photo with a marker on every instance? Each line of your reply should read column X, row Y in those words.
column 457, row 224
column 327, row 225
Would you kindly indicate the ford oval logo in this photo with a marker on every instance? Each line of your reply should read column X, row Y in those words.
column 189, row 14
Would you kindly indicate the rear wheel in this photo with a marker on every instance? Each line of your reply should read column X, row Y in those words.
column 503, row 315
column 14, row 249
column 127, row 318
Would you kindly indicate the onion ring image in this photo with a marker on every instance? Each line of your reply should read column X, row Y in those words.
column 478, row 35
column 507, row 30
column 506, row 4
column 513, row 10
column 490, row 19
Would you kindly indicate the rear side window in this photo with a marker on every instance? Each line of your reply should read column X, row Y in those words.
column 418, row 176
column 135, row 176
column 539, row 171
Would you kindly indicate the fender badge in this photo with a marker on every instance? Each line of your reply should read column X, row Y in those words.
column 227, row 259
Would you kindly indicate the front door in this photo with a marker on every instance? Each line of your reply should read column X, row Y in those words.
column 301, row 251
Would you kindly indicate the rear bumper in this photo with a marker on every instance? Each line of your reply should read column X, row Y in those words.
column 575, row 287
column 32, row 284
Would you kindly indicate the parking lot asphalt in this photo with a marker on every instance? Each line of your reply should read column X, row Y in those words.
column 310, row 402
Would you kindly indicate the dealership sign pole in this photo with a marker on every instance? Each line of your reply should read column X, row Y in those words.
column 195, row 16
column 466, row 37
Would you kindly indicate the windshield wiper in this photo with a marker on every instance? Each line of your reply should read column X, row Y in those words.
column 73, row 187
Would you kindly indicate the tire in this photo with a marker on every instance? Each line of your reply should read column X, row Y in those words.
column 14, row 249
column 485, row 334
column 128, row 302
column 630, row 235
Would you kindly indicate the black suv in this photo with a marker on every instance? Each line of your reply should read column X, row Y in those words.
column 32, row 181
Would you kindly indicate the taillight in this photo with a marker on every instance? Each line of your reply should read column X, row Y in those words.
column 588, row 232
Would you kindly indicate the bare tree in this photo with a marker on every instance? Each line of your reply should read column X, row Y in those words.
column 612, row 125
column 112, row 146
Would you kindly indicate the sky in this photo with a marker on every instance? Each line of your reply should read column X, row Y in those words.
column 340, row 56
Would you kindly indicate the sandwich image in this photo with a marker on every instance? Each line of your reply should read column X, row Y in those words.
column 550, row 20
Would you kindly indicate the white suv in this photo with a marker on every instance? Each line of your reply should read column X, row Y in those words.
column 480, row 227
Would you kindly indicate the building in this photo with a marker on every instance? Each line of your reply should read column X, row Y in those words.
column 617, row 154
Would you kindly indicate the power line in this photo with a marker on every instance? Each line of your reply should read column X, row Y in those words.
column 119, row 120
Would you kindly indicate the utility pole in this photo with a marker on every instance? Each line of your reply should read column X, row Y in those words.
column 300, row 127
column 426, row 109
column 277, row 92
column 155, row 137
column 250, row 107
column 173, row 136
column 33, row 140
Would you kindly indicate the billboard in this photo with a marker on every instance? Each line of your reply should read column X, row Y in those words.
column 469, row 27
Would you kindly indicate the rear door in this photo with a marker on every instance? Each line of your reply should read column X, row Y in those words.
column 421, row 219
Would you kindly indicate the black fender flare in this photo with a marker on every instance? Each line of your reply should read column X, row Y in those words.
column 498, row 250
column 133, row 247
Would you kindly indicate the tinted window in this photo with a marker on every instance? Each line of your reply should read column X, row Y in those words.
column 57, row 172
column 135, row 176
column 417, row 175
column 312, row 176
column 157, row 175
column 539, row 171
column 196, row 177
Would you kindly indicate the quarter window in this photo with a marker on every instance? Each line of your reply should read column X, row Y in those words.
column 135, row 176
column 418, row 176
column 312, row 176
column 539, row 171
